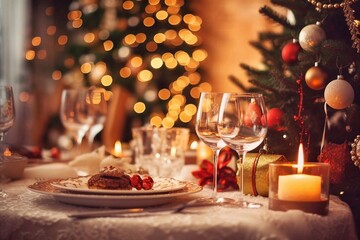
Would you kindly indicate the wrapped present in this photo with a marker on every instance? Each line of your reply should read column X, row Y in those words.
column 256, row 172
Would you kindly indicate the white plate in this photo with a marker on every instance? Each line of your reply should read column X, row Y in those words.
column 115, row 201
column 79, row 184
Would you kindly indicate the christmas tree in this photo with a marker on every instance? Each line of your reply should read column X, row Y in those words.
column 149, row 48
column 311, row 84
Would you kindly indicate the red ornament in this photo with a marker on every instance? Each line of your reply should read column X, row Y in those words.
column 55, row 153
column 290, row 52
column 253, row 114
column 274, row 117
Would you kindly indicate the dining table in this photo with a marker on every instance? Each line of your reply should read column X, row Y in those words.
column 26, row 213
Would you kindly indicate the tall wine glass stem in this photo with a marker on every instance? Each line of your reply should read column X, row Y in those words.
column 215, row 171
column 240, row 172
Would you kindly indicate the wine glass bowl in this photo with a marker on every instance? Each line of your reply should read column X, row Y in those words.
column 75, row 113
column 99, row 110
column 242, row 125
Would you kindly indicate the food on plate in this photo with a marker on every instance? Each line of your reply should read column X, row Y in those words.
column 115, row 178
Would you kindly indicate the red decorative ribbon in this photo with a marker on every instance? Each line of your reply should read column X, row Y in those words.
column 226, row 175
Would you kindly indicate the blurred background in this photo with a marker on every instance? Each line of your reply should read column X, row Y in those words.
column 152, row 58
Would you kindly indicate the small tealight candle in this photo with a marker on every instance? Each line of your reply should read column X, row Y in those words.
column 299, row 186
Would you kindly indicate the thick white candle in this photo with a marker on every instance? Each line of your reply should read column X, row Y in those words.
column 299, row 187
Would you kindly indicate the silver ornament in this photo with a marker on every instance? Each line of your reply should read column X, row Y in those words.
column 311, row 36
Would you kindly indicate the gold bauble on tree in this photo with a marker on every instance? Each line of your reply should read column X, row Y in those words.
column 316, row 77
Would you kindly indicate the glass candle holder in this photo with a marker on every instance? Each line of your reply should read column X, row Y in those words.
column 306, row 190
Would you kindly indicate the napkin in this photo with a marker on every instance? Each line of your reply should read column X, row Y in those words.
column 88, row 163
column 123, row 163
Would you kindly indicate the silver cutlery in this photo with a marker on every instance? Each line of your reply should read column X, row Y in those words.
column 138, row 212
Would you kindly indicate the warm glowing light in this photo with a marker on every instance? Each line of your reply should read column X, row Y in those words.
column 133, row 21
column 161, row 15
column 104, row 34
column 144, row 76
column 194, row 78
column 86, row 68
column 194, row 145
column 154, row 2
column 171, row 63
column 36, row 41
column 140, row 37
column 182, row 57
column 62, row 39
column 124, row 52
column 106, row 80
column 7, row 152
column 151, row 46
column 125, row 72
column 139, row 107
column 117, row 149
column 98, row 70
column 171, row 2
column 74, row 15
column 199, row 55
column 151, row 8
column 56, row 75
column 156, row 121
column 195, row 92
column 156, row 63
column 108, row 45
column 159, row 38
column 77, row 23
column 300, row 159
column 24, row 97
column 170, row 34
column 51, row 30
column 30, row 55
column 184, row 117
column 174, row 19
column 89, row 37
column 136, row 62
column 149, row 22
column 205, row 87
column 190, row 109
column 164, row 94
column 130, row 39
column 168, row 122
column 128, row 5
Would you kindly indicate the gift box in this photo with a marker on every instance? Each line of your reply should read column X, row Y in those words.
column 256, row 172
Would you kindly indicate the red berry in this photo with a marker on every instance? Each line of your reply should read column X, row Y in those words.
column 147, row 183
column 55, row 152
column 136, row 181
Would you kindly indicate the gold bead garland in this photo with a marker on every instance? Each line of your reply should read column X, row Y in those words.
column 320, row 5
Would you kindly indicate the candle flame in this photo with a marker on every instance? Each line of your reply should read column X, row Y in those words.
column 173, row 152
column 300, row 159
column 7, row 152
column 194, row 145
column 118, row 148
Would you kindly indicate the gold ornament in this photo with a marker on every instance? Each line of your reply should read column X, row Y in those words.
column 315, row 77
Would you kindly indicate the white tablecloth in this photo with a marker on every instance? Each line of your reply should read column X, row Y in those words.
column 28, row 215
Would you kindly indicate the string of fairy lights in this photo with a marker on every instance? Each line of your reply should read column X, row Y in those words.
column 142, row 68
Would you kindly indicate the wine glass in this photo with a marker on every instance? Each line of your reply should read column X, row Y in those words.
column 7, row 118
column 242, row 125
column 99, row 110
column 75, row 113
column 7, row 112
column 207, row 130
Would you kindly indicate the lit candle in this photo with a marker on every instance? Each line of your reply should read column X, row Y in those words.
column 300, row 187
column 117, row 149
